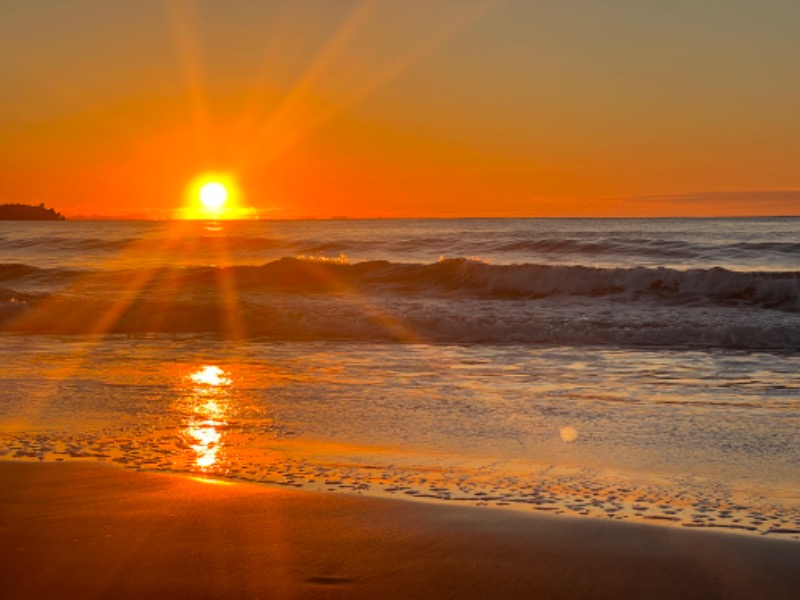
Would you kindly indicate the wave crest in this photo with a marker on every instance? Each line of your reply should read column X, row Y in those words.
column 324, row 317
column 457, row 277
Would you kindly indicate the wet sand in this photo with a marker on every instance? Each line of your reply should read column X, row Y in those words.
column 92, row 531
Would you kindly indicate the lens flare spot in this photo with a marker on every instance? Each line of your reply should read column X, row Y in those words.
column 568, row 434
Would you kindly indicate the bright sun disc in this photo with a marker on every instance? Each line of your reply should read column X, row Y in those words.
column 213, row 195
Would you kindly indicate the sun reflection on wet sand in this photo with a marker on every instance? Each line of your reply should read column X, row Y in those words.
column 209, row 406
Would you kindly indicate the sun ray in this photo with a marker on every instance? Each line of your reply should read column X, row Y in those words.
column 49, row 316
column 233, row 324
column 306, row 80
column 289, row 125
column 184, row 31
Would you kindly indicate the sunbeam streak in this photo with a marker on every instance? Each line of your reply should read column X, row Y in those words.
column 301, row 114
column 185, row 32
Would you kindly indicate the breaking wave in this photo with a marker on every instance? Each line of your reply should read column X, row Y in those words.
column 468, row 278
column 452, row 300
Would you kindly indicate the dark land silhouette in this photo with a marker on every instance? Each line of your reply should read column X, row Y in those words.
column 26, row 212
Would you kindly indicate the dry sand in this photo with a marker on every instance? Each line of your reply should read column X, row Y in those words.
column 91, row 531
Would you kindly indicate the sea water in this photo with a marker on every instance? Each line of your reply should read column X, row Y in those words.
column 629, row 369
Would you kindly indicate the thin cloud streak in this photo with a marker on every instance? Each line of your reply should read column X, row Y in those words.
column 789, row 196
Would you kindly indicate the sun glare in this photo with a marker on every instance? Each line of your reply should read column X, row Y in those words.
column 214, row 196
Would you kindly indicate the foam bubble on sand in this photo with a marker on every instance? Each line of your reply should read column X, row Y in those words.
column 333, row 468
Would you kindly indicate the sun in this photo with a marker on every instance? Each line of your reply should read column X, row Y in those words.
column 213, row 195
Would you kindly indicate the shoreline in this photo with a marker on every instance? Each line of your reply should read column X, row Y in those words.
column 94, row 531
column 560, row 496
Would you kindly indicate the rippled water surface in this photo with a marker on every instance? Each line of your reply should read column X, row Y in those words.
column 738, row 244
column 692, row 438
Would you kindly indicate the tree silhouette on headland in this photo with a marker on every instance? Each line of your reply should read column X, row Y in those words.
column 25, row 212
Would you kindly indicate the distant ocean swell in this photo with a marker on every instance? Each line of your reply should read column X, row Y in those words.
column 453, row 301
column 544, row 248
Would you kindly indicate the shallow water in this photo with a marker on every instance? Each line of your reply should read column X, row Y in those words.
column 689, row 438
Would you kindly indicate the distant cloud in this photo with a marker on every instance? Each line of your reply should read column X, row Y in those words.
column 789, row 198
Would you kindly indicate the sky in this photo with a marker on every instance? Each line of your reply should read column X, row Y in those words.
column 419, row 108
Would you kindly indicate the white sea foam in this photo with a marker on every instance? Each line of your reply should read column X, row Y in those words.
column 162, row 278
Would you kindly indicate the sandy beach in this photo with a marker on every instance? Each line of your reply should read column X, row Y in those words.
column 92, row 531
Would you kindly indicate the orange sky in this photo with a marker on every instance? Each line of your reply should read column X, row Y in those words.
column 398, row 109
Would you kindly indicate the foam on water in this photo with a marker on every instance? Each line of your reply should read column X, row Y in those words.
column 693, row 439
column 451, row 300
column 468, row 277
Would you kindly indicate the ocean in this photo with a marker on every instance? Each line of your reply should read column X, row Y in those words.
column 634, row 369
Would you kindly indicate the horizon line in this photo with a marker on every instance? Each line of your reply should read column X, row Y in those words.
column 430, row 218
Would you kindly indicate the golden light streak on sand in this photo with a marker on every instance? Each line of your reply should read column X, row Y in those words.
column 210, row 480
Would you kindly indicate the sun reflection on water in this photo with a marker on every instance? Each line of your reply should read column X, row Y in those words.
column 204, row 438
column 210, row 375
column 210, row 409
